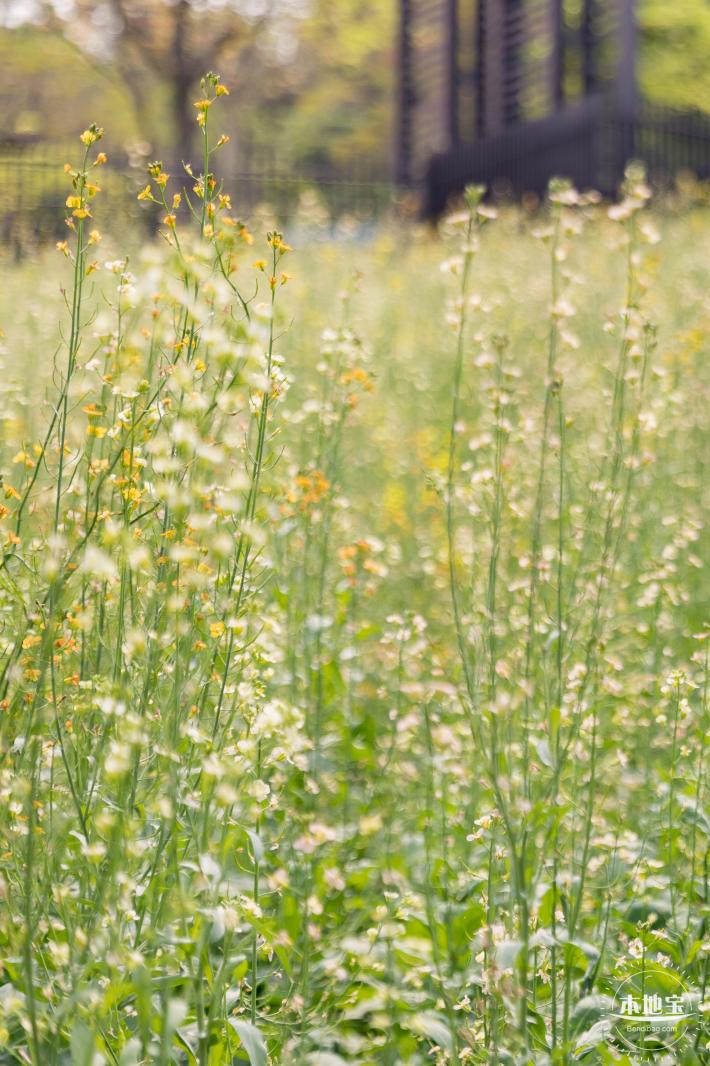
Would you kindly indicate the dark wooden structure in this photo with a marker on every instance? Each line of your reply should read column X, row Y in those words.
column 510, row 93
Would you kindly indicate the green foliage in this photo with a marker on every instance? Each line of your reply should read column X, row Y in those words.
column 673, row 65
column 48, row 84
column 353, row 692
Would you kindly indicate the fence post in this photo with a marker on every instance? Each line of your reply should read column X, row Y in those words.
column 557, row 71
column 452, row 73
column 403, row 148
column 514, row 32
column 626, row 78
column 589, row 46
column 626, row 68
column 492, row 61
column 479, row 59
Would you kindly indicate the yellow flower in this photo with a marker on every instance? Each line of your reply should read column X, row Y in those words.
column 216, row 629
column 101, row 158
column 63, row 247
column 145, row 194
column 94, row 237
column 277, row 243
column 221, row 90
column 93, row 134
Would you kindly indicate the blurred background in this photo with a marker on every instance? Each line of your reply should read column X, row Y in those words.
column 317, row 89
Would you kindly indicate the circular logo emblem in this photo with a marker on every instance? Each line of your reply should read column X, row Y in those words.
column 652, row 1010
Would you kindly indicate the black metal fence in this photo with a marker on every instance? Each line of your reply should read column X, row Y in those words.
column 472, row 69
column 33, row 189
column 589, row 142
column 508, row 93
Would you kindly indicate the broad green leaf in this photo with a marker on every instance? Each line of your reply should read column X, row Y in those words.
column 589, row 1011
column 431, row 1026
column 252, row 1041
column 131, row 1054
column 507, row 953
column 257, row 845
column 82, row 1044
column 542, row 747
column 593, row 1036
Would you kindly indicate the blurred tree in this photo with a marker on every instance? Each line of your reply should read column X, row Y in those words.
column 352, row 48
column 49, row 88
column 312, row 79
column 157, row 45
column 333, row 100
column 157, row 49
column 673, row 67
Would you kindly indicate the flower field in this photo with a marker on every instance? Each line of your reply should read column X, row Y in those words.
column 354, row 608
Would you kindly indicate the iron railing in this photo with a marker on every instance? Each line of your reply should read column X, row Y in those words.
column 33, row 189
column 589, row 142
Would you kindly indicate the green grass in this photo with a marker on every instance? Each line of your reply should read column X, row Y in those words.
column 353, row 660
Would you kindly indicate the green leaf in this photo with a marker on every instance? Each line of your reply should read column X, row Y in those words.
column 175, row 1014
column 82, row 1043
column 431, row 1026
column 131, row 1053
column 257, row 846
column 593, row 1036
column 579, row 955
column 252, row 1041
column 693, row 815
column 543, row 752
column 655, row 911
column 508, row 953
column 589, row 1011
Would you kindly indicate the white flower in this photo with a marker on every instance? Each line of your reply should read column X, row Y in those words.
column 99, row 564
column 260, row 791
